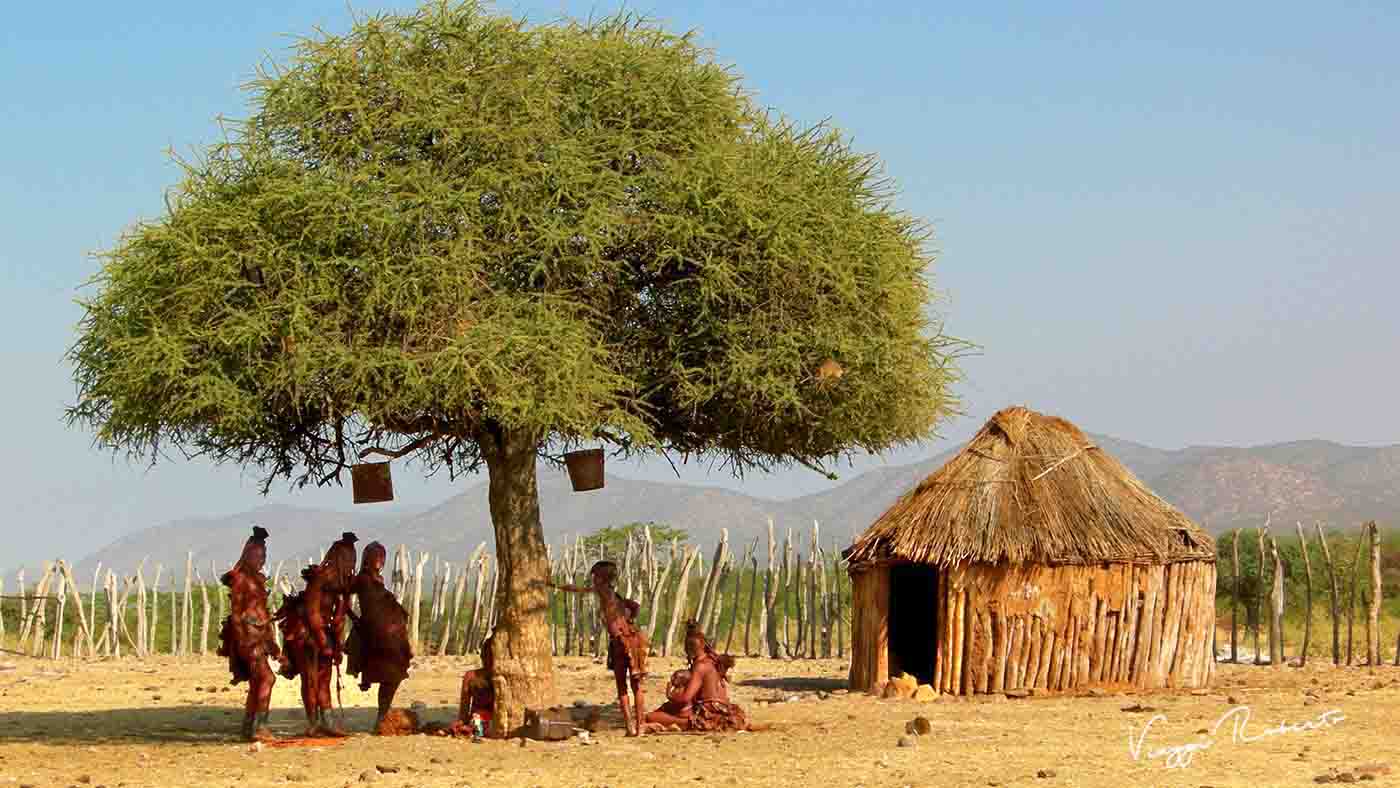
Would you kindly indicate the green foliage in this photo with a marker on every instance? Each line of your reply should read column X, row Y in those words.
column 447, row 225
column 613, row 538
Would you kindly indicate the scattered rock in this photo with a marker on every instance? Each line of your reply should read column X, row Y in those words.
column 387, row 769
column 1097, row 693
column 296, row 778
column 1025, row 693
column 1325, row 779
column 85, row 779
column 1373, row 769
column 924, row 693
column 921, row 726
column 1200, row 692
column 368, row 777
column 1138, row 707
column 155, row 697
column 434, row 760
column 822, row 695
column 1045, row 773
column 908, row 740
column 1232, row 700
column 1346, row 777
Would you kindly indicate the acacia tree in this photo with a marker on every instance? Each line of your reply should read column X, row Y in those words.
column 453, row 237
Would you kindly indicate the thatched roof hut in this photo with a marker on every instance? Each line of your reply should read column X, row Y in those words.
column 1032, row 559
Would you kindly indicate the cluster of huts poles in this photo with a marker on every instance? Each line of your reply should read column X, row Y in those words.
column 796, row 607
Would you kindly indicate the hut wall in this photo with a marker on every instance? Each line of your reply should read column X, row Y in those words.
column 870, row 627
column 1053, row 628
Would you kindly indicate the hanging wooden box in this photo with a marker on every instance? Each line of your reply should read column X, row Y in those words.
column 585, row 469
column 371, row 482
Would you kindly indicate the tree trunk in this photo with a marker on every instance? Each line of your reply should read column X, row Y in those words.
column 1308, row 601
column 1332, row 596
column 524, row 666
column 1373, row 626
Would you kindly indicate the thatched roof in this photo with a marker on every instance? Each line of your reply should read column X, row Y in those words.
column 1032, row 488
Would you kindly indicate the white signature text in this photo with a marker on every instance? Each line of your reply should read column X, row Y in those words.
column 1179, row 756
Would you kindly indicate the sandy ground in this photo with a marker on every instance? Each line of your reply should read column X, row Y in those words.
column 130, row 723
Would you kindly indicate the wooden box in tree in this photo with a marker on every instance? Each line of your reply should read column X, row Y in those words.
column 371, row 482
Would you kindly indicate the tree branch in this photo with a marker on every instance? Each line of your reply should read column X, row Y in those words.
column 394, row 454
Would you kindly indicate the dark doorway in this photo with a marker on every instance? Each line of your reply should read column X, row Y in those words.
column 913, row 620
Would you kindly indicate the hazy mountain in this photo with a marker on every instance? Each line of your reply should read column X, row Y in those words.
column 1220, row 487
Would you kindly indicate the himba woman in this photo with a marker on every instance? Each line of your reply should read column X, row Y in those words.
column 698, row 699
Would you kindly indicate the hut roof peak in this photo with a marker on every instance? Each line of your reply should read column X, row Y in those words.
column 1032, row 488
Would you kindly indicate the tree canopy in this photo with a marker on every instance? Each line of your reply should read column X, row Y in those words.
column 612, row 539
column 448, row 222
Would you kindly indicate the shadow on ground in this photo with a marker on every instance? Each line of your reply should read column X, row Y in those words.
column 797, row 684
column 169, row 724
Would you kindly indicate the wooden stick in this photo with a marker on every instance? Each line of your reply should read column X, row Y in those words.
column 711, row 579
column 749, row 559
column 1276, row 608
column 1259, row 594
column 1047, row 648
column 770, row 598
column 57, row 652
column 1235, row 598
column 1308, row 599
column 142, row 636
column 659, row 590
column 85, row 631
column 1332, row 595
column 416, row 608
column 1033, row 652
column 187, row 625
column 1373, row 627
column 155, row 611
column 999, row 638
column 1355, row 588
column 204, row 621
column 957, row 684
column 678, row 606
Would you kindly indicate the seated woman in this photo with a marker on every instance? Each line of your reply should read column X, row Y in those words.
column 698, row 699
column 478, row 699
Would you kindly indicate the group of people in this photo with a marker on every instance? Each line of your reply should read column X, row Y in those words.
column 312, row 625
column 697, row 698
column 377, row 649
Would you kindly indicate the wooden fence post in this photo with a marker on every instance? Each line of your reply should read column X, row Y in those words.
column 738, row 589
column 1235, row 600
column 1308, row 600
column 678, row 606
column 1355, row 587
column 769, row 631
column 1332, row 595
column 1373, row 625
column 1276, row 609
column 1259, row 592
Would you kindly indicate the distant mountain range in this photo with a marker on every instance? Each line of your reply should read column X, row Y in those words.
column 1219, row 487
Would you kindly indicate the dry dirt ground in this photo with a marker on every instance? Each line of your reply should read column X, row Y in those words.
column 128, row 723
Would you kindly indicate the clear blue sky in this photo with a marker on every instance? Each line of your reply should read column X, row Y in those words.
column 1175, row 225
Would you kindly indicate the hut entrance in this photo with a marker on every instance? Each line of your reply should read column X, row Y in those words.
column 914, row 622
